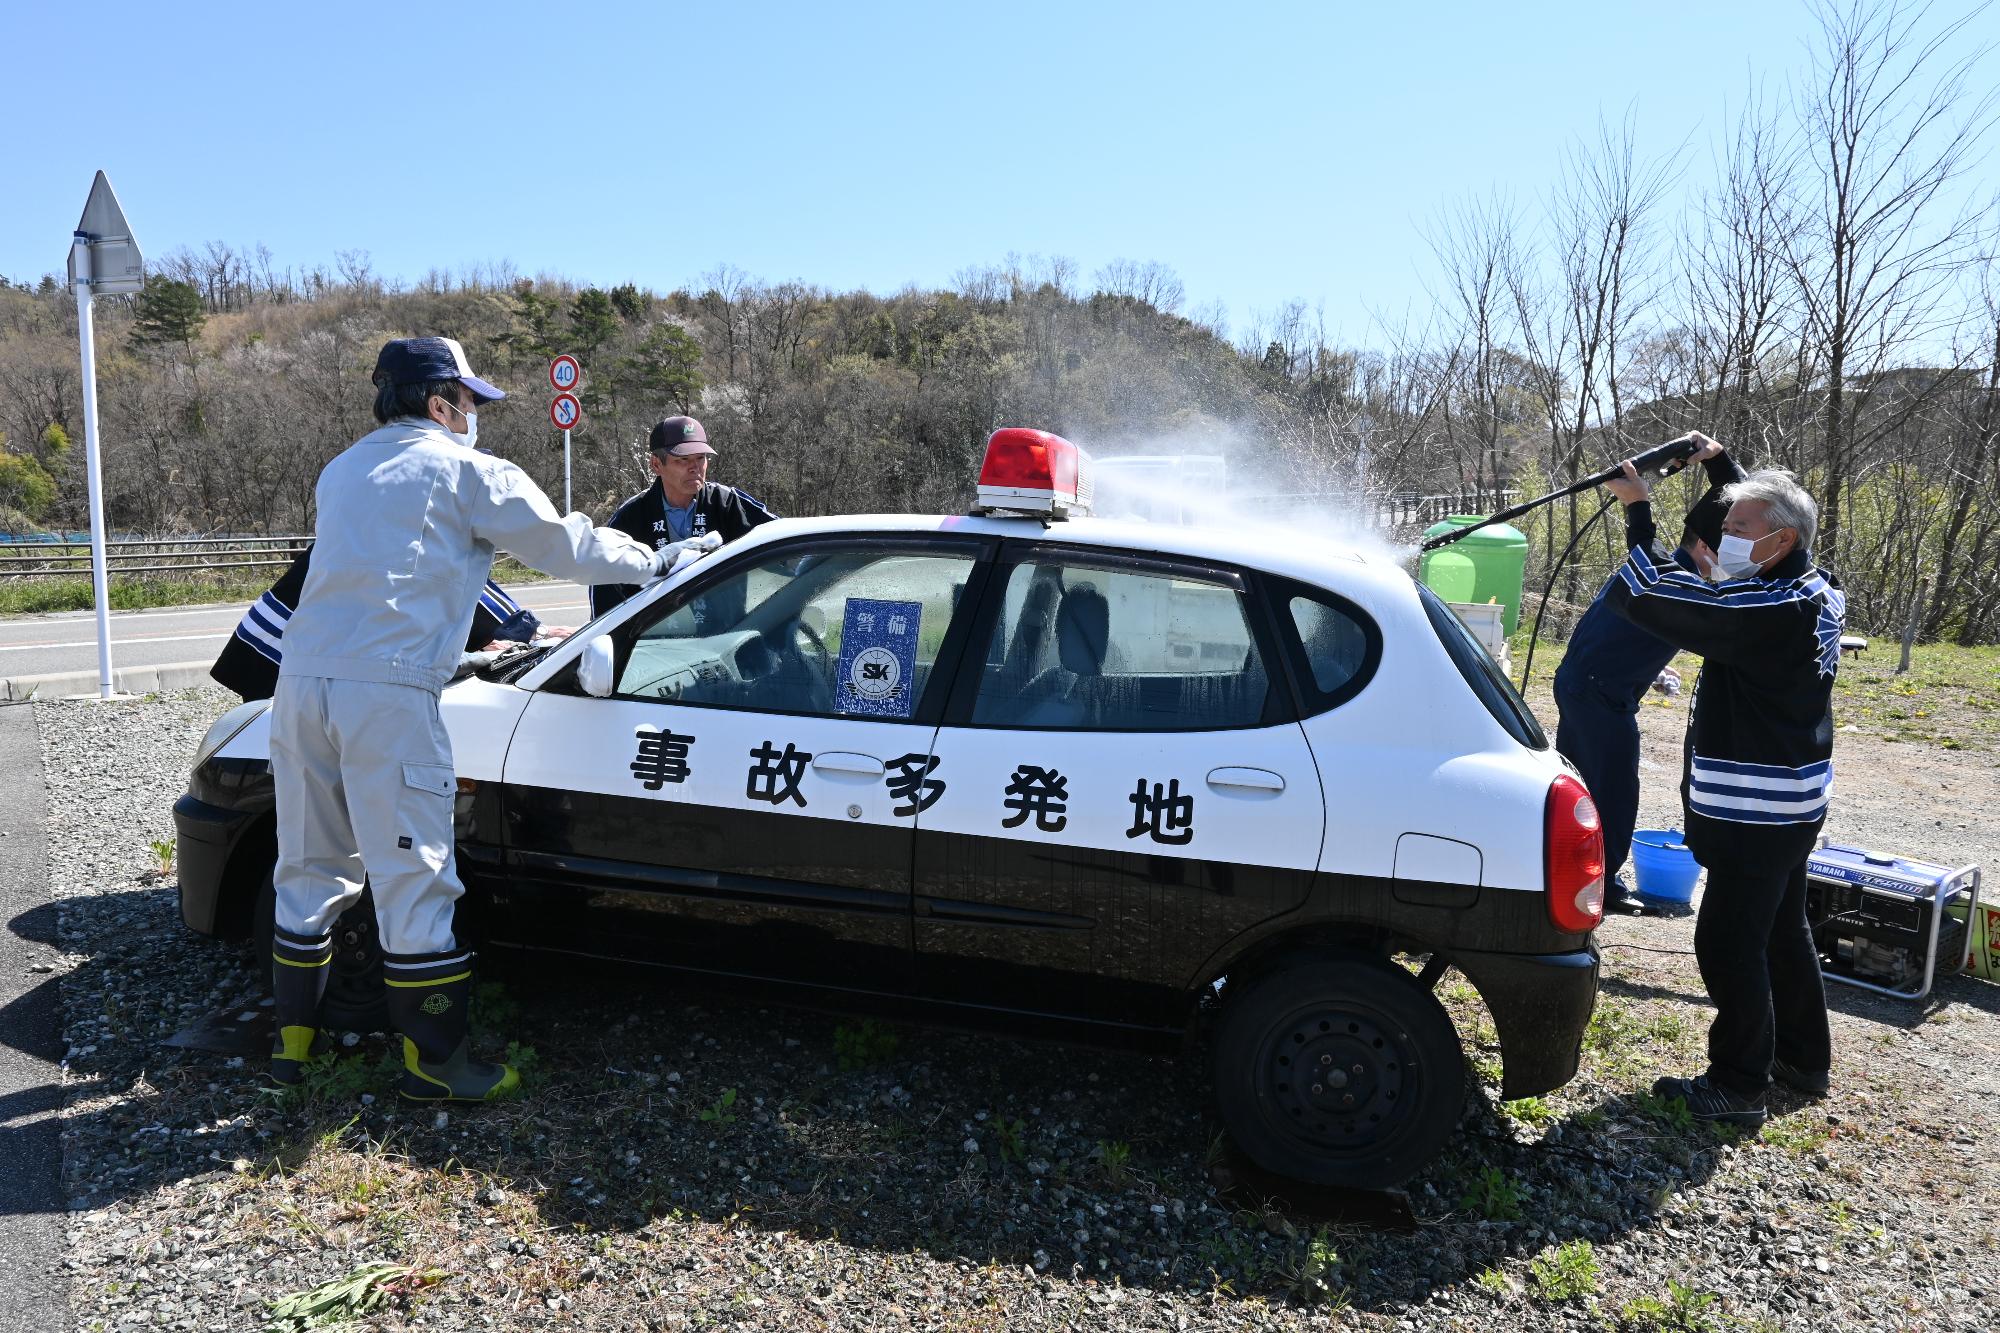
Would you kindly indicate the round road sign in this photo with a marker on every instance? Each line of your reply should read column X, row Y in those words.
column 564, row 372
column 565, row 411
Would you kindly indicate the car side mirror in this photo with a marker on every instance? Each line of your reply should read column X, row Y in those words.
column 597, row 669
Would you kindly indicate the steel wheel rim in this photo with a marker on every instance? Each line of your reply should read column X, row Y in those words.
column 1340, row 1082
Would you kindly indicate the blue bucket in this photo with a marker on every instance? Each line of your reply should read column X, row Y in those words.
column 1664, row 867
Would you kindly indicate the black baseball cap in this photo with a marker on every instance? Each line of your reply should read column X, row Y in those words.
column 677, row 437
column 424, row 360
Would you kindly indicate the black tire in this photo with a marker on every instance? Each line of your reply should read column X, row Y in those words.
column 1391, row 1077
column 354, row 1000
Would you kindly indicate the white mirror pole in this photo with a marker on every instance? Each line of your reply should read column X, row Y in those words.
column 86, row 336
column 567, row 508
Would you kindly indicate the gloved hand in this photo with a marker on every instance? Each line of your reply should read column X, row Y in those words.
column 667, row 556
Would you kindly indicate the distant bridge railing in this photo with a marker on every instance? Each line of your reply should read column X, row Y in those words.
column 184, row 556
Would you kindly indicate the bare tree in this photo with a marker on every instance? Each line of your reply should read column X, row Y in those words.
column 1888, row 122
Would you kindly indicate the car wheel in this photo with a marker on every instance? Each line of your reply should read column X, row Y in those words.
column 354, row 1000
column 1341, row 1070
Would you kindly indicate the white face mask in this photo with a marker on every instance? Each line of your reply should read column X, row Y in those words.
column 471, row 431
column 1736, row 557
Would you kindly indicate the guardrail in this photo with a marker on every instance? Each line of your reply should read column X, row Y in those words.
column 152, row 555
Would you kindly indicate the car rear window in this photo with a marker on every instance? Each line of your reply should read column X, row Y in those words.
column 1482, row 673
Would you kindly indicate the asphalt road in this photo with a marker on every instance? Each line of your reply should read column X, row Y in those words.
column 67, row 641
column 35, row 1294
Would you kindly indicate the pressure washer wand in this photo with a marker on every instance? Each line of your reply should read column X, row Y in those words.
column 1660, row 457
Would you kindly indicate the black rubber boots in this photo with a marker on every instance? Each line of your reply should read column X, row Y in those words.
column 429, row 999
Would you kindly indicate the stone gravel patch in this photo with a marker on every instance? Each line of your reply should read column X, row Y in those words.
column 687, row 1159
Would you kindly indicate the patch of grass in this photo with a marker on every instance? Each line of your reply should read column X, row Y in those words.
column 1493, row 1195
column 367, row 1288
column 723, row 1111
column 1566, row 1273
column 527, row 1062
column 493, row 1009
column 1493, row 1280
column 1669, row 1111
column 1796, row 1134
column 35, row 596
column 1530, row 1111
column 1684, row 1311
column 337, row 1078
column 1312, row 1276
column 163, row 855
column 1114, row 1159
column 1012, row 1137
column 864, row 1045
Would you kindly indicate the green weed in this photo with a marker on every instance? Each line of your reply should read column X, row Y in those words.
column 864, row 1045
column 1493, row 1280
column 1669, row 1111
column 722, row 1112
column 367, row 1288
column 1114, row 1159
column 1312, row 1277
column 1012, row 1137
column 1566, row 1273
column 1529, row 1111
column 1493, row 1195
column 1684, row 1311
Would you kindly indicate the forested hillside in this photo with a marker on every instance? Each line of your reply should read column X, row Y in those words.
column 1819, row 309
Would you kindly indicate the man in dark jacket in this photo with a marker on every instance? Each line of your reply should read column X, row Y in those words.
column 681, row 503
column 249, row 661
column 1758, row 775
column 1604, row 676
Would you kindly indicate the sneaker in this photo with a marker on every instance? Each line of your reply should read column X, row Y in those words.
column 1813, row 1082
column 1712, row 1102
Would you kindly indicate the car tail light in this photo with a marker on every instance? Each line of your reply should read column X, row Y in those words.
column 1573, row 864
column 1033, row 472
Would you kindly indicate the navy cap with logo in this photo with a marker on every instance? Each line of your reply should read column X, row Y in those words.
column 426, row 360
column 677, row 437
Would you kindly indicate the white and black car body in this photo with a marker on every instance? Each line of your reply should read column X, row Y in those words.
column 1084, row 778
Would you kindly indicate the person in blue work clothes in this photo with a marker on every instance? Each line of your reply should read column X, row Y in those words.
column 1610, row 664
column 682, row 504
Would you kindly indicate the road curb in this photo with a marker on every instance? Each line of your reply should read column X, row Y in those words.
column 160, row 679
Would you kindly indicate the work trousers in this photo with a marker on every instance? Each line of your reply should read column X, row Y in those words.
column 365, row 786
column 1599, row 733
column 1756, row 951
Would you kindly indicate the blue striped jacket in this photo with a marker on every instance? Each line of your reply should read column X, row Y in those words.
column 1760, row 726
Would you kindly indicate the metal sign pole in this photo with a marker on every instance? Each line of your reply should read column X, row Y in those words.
column 567, row 507
column 87, row 337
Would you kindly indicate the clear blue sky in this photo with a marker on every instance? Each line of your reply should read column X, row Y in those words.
column 1266, row 152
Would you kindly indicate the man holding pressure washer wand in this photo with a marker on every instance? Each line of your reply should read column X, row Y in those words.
column 1604, row 676
column 1758, row 772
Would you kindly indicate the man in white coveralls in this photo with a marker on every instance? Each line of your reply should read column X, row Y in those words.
column 408, row 520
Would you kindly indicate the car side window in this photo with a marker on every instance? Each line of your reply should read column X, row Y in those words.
column 835, row 632
column 1077, row 647
column 1339, row 645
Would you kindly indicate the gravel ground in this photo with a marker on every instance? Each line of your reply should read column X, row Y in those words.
column 685, row 1161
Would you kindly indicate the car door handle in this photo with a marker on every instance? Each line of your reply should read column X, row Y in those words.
column 846, row 761
column 1245, row 779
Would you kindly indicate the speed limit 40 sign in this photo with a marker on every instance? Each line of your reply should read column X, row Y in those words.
column 565, row 411
column 564, row 372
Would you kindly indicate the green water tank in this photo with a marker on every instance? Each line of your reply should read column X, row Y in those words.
column 1488, row 566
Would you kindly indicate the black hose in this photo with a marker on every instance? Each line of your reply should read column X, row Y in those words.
column 1535, row 632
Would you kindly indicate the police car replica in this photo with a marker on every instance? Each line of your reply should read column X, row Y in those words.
column 1113, row 780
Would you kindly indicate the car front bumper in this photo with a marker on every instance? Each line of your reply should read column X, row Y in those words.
column 205, row 838
column 1541, row 1004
